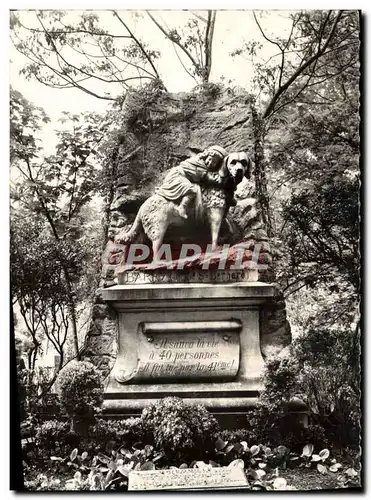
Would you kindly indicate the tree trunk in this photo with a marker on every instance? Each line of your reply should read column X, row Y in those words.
column 260, row 172
column 209, row 45
column 74, row 328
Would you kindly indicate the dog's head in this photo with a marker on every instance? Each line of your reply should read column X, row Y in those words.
column 239, row 166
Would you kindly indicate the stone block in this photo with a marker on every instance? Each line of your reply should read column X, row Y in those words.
column 160, row 321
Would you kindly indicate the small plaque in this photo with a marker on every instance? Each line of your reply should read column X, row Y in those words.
column 139, row 277
column 219, row 478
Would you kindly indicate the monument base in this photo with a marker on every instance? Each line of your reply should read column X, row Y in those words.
column 198, row 342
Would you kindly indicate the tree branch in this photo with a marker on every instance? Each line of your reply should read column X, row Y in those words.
column 168, row 35
column 142, row 49
column 321, row 50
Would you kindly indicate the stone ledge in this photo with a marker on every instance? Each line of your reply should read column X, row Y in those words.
column 135, row 406
column 188, row 291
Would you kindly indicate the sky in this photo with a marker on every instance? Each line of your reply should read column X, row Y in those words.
column 232, row 30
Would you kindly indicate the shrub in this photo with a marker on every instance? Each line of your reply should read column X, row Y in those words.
column 178, row 428
column 80, row 391
column 323, row 371
column 238, row 435
column 52, row 437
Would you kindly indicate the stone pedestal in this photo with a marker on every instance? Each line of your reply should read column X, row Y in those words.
column 198, row 342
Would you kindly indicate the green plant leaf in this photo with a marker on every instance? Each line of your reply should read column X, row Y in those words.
column 126, row 453
column 324, row 454
column 282, row 450
column 238, row 448
column 84, row 455
column 123, row 470
column 103, row 458
column 157, row 457
column 322, row 468
column 77, row 475
column 183, row 466
column 244, row 445
column 315, row 458
column 148, row 466
column 335, row 467
column 237, row 463
column 109, row 446
column 220, row 444
column 74, row 453
column 279, row 483
column 254, row 450
column 351, row 472
column 307, row 450
column 148, row 449
column 260, row 473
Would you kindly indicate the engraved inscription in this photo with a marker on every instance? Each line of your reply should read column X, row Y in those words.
column 131, row 277
column 186, row 355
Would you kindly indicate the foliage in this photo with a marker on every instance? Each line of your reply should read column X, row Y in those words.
column 26, row 121
column 127, row 430
column 195, row 42
column 319, row 45
column 55, row 438
column 50, row 434
column 262, row 465
column 107, row 467
column 104, row 471
column 43, row 483
column 80, row 390
column 178, row 428
column 322, row 462
column 34, row 386
column 68, row 50
column 52, row 253
column 312, row 159
column 323, row 372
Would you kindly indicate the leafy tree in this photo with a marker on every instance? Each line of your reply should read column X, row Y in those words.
column 73, row 50
column 57, row 188
column 323, row 372
column 195, row 42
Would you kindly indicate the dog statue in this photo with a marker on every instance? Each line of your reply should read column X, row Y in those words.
column 157, row 213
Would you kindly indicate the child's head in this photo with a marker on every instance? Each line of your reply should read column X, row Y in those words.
column 214, row 157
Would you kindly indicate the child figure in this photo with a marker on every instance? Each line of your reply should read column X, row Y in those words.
column 180, row 182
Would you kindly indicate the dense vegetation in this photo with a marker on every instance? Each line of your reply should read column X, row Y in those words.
column 306, row 101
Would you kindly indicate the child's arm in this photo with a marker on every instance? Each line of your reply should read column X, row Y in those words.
column 214, row 179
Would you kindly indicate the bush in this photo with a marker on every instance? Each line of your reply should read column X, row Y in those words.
column 238, row 435
column 52, row 438
column 80, row 391
column 179, row 429
column 126, row 431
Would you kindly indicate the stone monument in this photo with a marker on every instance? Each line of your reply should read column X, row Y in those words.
column 187, row 306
